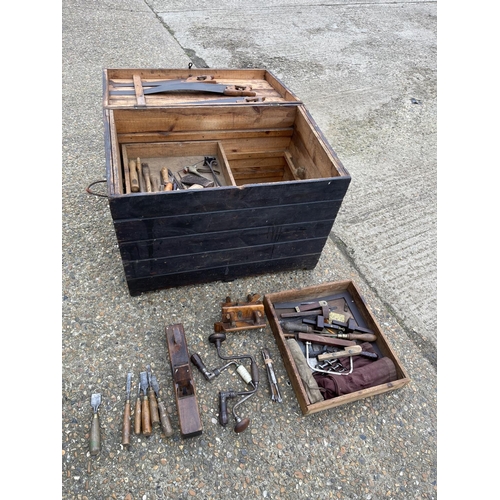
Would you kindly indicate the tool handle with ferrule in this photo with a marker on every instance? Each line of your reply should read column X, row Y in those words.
column 146, row 417
column 153, row 407
column 166, row 423
column 126, row 425
column 366, row 337
column 137, row 416
column 134, row 179
column 95, row 436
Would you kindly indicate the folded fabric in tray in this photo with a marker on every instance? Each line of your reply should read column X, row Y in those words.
column 366, row 373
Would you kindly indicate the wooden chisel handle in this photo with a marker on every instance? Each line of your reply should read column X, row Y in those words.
column 349, row 351
column 126, row 425
column 166, row 423
column 147, row 178
column 134, row 179
column 95, row 436
column 146, row 417
column 137, row 416
column 153, row 407
column 165, row 180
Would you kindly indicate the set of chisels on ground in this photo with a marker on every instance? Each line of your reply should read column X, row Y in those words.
column 143, row 180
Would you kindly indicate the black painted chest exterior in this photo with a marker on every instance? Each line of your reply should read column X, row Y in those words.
column 281, row 184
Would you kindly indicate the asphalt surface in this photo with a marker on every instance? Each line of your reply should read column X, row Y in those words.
column 367, row 73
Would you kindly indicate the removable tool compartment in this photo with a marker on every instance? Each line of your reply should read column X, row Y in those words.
column 358, row 310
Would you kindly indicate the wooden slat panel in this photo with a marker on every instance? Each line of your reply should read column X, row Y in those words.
column 208, row 260
column 176, row 203
column 203, row 222
column 220, row 240
column 206, row 135
column 203, row 118
column 229, row 272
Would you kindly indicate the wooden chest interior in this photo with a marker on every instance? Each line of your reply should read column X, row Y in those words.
column 281, row 183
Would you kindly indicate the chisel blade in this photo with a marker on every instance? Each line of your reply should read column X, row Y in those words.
column 129, row 384
column 95, row 401
column 144, row 381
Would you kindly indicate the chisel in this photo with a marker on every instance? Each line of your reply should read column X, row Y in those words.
column 95, row 428
column 146, row 416
column 137, row 412
column 153, row 405
column 166, row 423
column 126, row 415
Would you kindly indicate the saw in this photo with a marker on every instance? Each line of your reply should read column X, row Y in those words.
column 217, row 88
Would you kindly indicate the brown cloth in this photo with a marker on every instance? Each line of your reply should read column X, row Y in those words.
column 366, row 373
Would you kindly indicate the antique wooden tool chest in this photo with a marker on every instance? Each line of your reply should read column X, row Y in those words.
column 273, row 184
column 344, row 302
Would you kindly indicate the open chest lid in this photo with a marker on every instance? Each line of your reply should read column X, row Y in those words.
column 150, row 88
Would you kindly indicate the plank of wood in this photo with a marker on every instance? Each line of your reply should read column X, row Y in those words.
column 139, row 91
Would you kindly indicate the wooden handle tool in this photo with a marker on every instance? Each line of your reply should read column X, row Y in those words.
column 166, row 423
column 134, row 179
column 147, row 177
column 165, row 180
column 349, row 351
column 95, row 427
column 153, row 404
column 126, row 415
column 137, row 412
column 146, row 415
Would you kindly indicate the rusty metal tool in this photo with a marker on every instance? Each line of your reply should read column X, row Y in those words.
column 95, row 427
column 236, row 316
column 166, row 423
column 126, row 415
column 145, row 412
column 273, row 382
column 137, row 412
column 153, row 404
column 184, row 387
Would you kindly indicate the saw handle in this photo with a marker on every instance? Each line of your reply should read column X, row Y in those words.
column 166, row 423
column 146, row 416
column 237, row 90
column 95, row 435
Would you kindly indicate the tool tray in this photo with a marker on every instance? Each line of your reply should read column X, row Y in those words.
column 349, row 303
column 281, row 182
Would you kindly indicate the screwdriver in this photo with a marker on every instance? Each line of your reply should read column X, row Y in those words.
column 126, row 415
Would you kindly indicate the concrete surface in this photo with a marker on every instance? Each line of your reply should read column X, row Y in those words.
column 367, row 73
